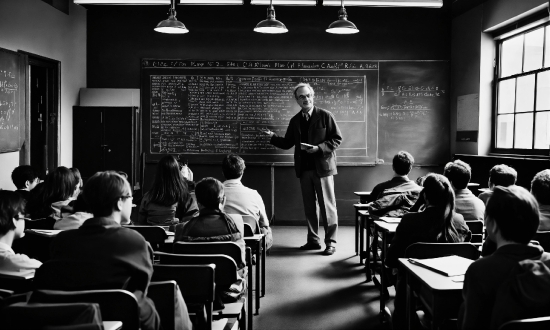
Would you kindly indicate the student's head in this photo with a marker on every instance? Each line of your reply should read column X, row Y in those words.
column 168, row 187
column 78, row 178
column 459, row 173
column 12, row 208
column 540, row 187
column 513, row 212
column 25, row 177
column 502, row 175
column 108, row 192
column 402, row 163
column 439, row 194
column 233, row 167
column 60, row 184
column 210, row 193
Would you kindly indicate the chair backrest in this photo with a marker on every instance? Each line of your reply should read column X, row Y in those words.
column 230, row 249
column 163, row 294
column 476, row 227
column 543, row 237
column 152, row 234
column 239, row 222
column 226, row 268
column 253, row 225
column 538, row 323
column 43, row 223
column 115, row 305
column 23, row 316
column 435, row 250
column 196, row 283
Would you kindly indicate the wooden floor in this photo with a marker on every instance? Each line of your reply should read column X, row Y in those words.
column 306, row 290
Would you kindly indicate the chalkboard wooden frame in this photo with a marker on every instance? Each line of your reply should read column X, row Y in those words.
column 12, row 108
column 411, row 126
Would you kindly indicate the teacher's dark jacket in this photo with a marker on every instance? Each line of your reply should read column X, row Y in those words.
column 323, row 132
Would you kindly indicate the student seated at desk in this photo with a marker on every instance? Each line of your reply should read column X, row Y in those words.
column 467, row 204
column 12, row 226
column 513, row 282
column 169, row 201
column 101, row 254
column 438, row 223
column 25, row 178
column 396, row 196
column 499, row 175
column 540, row 188
column 78, row 214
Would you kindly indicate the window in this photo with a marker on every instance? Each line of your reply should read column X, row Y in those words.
column 523, row 93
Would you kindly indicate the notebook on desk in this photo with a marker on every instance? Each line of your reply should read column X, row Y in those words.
column 448, row 266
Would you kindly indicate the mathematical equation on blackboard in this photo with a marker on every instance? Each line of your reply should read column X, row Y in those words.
column 224, row 113
column 9, row 117
column 403, row 102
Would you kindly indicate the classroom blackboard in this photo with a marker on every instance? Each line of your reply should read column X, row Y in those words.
column 12, row 89
column 206, row 109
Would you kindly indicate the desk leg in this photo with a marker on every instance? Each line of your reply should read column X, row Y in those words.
column 258, row 270
column 263, row 265
column 383, row 275
column 368, row 262
column 357, row 225
column 409, row 303
column 361, row 238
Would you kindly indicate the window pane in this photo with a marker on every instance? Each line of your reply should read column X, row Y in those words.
column 533, row 50
column 524, row 131
column 506, row 96
column 542, row 130
column 512, row 50
column 505, row 133
column 525, row 99
column 547, row 48
column 543, row 91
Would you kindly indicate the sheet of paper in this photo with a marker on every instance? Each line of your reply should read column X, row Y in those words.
column 448, row 266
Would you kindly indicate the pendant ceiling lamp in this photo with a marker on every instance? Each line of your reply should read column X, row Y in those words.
column 342, row 25
column 171, row 25
column 271, row 25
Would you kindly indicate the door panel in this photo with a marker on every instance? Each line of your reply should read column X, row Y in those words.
column 118, row 133
column 87, row 140
column 39, row 119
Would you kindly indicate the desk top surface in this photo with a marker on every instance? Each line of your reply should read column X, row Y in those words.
column 362, row 193
column 388, row 227
column 433, row 280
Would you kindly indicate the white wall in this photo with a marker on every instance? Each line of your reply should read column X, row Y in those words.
column 36, row 27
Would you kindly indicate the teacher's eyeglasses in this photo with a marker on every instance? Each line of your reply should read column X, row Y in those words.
column 303, row 97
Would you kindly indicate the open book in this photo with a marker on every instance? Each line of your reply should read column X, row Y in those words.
column 448, row 266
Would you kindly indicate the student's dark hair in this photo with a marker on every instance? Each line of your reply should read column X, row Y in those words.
column 402, row 163
column 22, row 174
column 102, row 192
column 209, row 192
column 540, row 187
column 459, row 173
column 515, row 211
column 439, row 193
column 233, row 166
column 169, row 186
column 76, row 174
column 11, row 204
column 59, row 185
column 503, row 175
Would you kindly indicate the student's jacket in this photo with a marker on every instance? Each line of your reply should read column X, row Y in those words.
column 323, row 132
column 396, row 201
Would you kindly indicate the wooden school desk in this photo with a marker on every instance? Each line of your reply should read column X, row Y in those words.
column 439, row 294
column 385, row 230
column 359, row 206
column 258, row 243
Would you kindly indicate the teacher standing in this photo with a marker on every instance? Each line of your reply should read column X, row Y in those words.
column 315, row 136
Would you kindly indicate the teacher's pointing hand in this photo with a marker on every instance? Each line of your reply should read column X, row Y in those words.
column 266, row 131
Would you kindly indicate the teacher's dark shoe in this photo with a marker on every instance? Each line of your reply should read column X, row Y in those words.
column 311, row 246
column 329, row 251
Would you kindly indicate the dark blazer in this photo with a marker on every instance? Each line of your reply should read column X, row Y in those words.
column 323, row 132
column 420, row 227
column 101, row 255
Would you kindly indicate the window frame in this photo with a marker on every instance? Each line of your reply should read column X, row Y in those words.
column 545, row 25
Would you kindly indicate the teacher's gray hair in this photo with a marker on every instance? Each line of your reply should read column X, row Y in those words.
column 303, row 85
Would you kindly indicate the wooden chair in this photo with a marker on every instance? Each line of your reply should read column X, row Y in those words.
column 196, row 283
column 225, row 275
column 76, row 316
column 115, row 305
column 435, row 250
column 538, row 323
column 251, row 226
column 543, row 237
column 476, row 227
column 165, row 296
column 155, row 235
